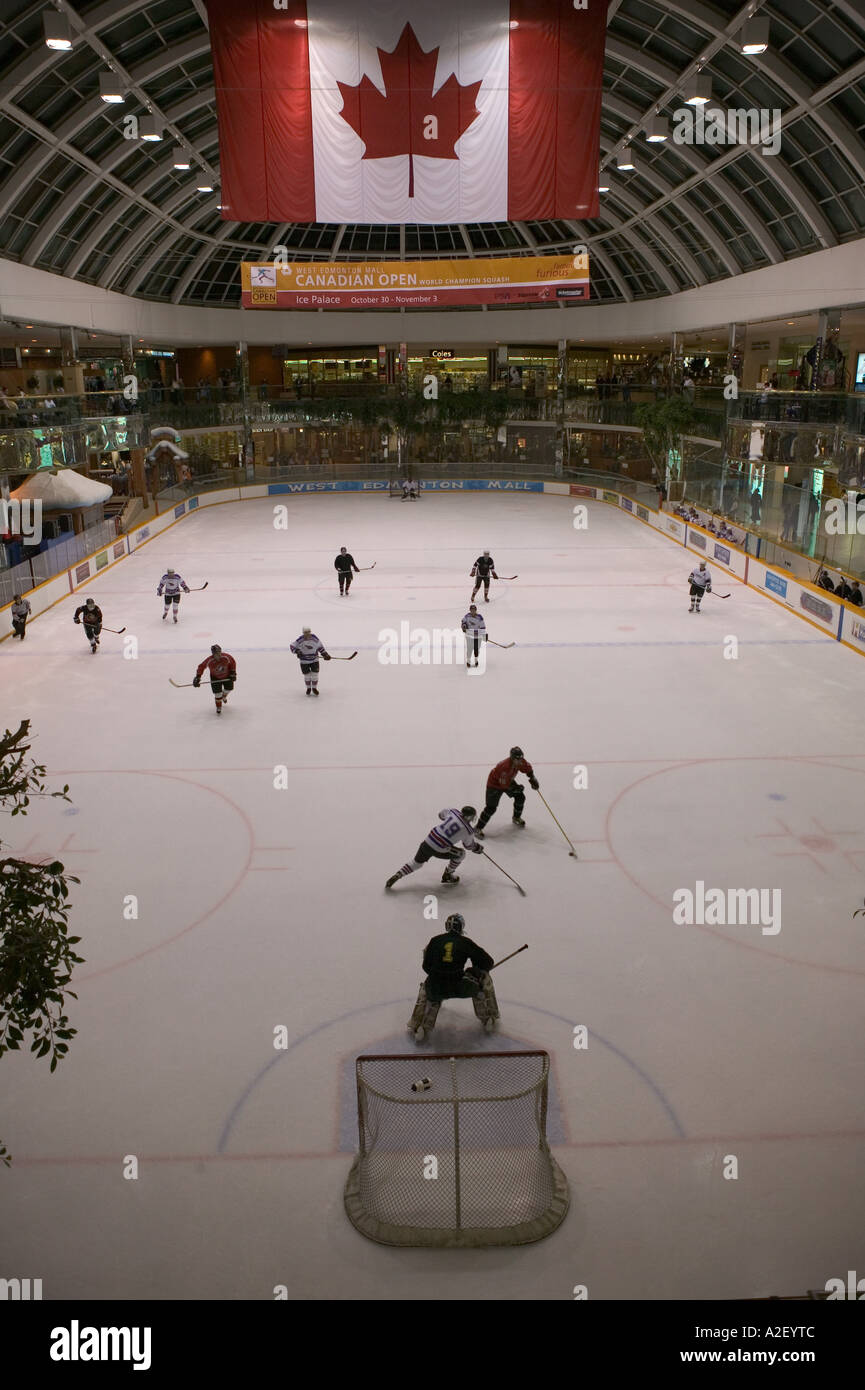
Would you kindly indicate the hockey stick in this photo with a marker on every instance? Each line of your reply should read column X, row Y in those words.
column 504, row 645
column 344, row 658
column 186, row 685
column 507, row 576
column 510, row 957
column 199, row 588
column 505, row 872
column 714, row 595
column 361, row 568
column 558, row 823
column 116, row 630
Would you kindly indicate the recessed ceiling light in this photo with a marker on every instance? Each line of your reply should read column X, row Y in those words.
column 791, row 323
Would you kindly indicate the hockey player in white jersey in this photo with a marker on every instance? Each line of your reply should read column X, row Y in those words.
column 20, row 613
column 700, row 581
column 449, row 841
column 475, row 629
column 171, row 583
column 307, row 648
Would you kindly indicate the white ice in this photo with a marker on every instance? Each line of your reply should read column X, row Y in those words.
column 261, row 907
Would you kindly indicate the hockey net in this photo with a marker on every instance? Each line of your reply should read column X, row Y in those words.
column 395, row 487
column 460, row 1163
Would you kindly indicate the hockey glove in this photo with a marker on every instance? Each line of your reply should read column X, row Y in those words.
column 477, row 849
column 196, row 681
column 534, row 783
column 325, row 656
column 77, row 620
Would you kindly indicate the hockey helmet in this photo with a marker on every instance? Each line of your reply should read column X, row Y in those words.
column 468, row 812
column 215, row 650
column 91, row 603
column 486, row 552
column 517, row 752
column 169, row 570
column 456, row 923
column 307, row 632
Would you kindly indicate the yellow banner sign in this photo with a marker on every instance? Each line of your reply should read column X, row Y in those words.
column 415, row 284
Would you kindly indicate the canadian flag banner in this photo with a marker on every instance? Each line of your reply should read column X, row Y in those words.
column 378, row 111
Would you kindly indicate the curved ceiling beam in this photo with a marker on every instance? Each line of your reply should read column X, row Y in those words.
column 630, row 56
column 782, row 74
column 708, row 232
column 698, row 163
column 608, row 264
column 30, row 168
column 71, row 200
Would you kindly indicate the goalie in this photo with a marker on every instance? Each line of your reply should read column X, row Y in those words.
column 444, row 961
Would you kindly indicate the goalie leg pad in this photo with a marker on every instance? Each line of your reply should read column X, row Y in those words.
column 419, row 1009
column 430, row 1014
column 485, row 1004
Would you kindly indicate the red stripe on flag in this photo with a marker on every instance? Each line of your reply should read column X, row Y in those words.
column 261, row 75
column 556, row 65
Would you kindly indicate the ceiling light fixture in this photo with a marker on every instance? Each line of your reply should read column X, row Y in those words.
column 149, row 128
column 699, row 90
column 623, row 158
column 58, row 34
column 110, row 88
column 204, row 188
column 755, row 36
column 182, row 164
column 658, row 130
column 603, row 188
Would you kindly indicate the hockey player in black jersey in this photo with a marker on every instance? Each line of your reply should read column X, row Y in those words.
column 92, row 615
column 344, row 564
column 444, row 961
column 483, row 567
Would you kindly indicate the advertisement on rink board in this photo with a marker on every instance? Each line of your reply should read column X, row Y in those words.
column 415, row 284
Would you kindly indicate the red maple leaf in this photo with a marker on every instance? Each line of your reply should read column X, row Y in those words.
column 409, row 119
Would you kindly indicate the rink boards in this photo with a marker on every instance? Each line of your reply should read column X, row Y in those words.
column 842, row 621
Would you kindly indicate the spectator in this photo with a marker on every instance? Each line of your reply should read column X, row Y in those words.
column 756, row 505
column 689, row 389
column 824, row 581
column 843, row 589
column 855, row 594
column 790, row 513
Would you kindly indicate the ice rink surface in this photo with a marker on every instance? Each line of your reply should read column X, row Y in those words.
column 261, row 907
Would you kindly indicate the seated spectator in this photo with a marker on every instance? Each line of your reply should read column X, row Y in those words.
column 842, row 589
column 855, row 594
column 824, row 581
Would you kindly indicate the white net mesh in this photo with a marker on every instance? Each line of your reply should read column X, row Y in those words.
column 460, row 1161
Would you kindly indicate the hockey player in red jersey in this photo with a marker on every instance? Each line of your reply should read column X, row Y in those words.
column 223, row 674
column 92, row 615
column 501, row 782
